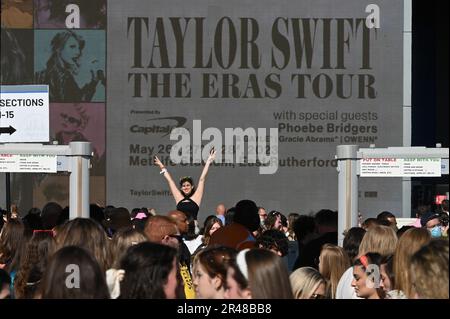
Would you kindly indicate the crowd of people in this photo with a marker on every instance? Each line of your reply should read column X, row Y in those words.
column 240, row 252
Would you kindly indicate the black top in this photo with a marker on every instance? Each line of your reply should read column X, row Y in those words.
column 309, row 253
column 189, row 207
column 63, row 86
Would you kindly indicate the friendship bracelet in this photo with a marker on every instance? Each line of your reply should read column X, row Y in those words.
column 164, row 170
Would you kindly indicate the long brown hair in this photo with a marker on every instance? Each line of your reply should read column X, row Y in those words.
column 147, row 268
column 86, row 233
column 90, row 284
column 11, row 239
column 334, row 262
column 410, row 242
column 429, row 270
column 268, row 276
column 209, row 223
column 32, row 268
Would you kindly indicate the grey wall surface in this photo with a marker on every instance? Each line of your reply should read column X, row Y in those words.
column 352, row 92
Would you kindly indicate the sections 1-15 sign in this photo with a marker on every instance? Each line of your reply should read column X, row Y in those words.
column 24, row 113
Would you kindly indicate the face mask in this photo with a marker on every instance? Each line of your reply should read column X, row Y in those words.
column 436, row 231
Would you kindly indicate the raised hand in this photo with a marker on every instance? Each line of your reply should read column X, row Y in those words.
column 212, row 155
column 158, row 162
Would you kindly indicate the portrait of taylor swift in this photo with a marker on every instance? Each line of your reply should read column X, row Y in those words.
column 72, row 63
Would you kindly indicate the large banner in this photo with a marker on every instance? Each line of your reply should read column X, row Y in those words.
column 298, row 77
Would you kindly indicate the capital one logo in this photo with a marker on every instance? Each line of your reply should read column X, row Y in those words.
column 255, row 142
column 73, row 277
column 160, row 125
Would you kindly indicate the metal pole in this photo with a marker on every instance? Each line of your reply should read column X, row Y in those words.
column 406, row 197
column 407, row 104
column 347, row 189
column 79, row 179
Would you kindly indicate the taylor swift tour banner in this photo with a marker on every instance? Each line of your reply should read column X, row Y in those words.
column 273, row 85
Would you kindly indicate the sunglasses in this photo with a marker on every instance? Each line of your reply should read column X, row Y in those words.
column 71, row 119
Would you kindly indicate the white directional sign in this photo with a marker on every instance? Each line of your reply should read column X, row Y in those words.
column 24, row 113
column 400, row 167
column 28, row 163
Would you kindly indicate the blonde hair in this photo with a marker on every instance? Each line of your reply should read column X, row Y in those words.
column 334, row 261
column 305, row 281
column 410, row 242
column 378, row 239
column 429, row 270
column 121, row 241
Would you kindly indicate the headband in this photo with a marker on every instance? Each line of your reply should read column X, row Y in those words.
column 364, row 261
column 242, row 263
column 51, row 232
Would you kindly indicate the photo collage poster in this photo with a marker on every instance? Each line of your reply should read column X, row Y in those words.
column 61, row 43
